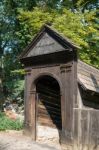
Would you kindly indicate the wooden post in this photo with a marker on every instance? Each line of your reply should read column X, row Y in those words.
column 67, row 75
column 33, row 114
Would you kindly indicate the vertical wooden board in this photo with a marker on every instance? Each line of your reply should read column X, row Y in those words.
column 63, row 106
column 32, row 114
column 94, row 130
column 84, row 130
column 75, row 104
column 67, row 104
column 75, row 130
column 27, row 102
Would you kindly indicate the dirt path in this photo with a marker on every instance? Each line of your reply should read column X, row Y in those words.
column 15, row 140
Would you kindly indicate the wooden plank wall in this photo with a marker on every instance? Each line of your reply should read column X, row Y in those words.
column 86, row 129
column 49, row 108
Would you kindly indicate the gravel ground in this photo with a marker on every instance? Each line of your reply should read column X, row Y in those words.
column 15, row 140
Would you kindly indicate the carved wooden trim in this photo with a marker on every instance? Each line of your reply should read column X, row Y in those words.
column 66, row 67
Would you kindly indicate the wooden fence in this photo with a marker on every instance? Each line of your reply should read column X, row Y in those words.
column 86, row 129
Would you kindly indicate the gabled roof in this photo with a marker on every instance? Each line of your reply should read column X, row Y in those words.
column 88, row 76
column 63, row 41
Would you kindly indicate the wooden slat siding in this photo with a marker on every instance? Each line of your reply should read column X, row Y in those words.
column 88, row 67
column 88, row 129
column 88, row 72
column 75, row 130
column 51, row 102
column 42, row 110
column 48, row 96
column 77, row 122
column 94, row 130
column 84, row 128
column 88, row 76
column 49, row 108
column 88, row 80
column 52, row 109
column 48, row 91
column 90, row 86
column 46, row 45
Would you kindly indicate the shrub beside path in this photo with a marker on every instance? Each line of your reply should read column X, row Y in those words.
column 15, row 140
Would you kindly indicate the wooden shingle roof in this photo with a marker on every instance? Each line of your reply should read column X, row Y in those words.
column 88, row 76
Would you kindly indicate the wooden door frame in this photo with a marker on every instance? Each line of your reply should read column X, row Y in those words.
column 34, row 135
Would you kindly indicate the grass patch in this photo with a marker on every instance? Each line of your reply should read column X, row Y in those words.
column 8, row 124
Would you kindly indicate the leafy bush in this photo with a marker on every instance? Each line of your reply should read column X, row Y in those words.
column 8, row 124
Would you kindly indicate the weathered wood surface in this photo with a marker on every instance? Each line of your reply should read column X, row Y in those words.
column 88, row 76
column 68, row 78
column 46, row 45
column 49, row 107
column 52, row 55
column 86, row 129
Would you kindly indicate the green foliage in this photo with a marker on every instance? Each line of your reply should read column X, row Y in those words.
column 20, row 20
column 80, row 27
column 8, row 124
column 15, row 89
column 31, row 22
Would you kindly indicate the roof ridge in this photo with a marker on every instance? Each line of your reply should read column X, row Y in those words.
column 61, row 35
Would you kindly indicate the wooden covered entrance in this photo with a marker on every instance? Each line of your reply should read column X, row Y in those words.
column 50, row 84
column 48, row 104
column 60, row 91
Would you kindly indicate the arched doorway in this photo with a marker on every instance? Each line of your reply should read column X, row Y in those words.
column 48, row 106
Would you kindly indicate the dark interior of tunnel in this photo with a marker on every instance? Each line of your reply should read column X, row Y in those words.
column 49, row 102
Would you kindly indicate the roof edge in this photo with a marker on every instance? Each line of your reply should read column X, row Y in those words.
column 49, row 30
column 88, row 65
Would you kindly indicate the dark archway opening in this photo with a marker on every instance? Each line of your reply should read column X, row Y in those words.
column 49, row 102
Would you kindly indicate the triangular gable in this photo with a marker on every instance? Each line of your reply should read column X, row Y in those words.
column 46, row 45
column 47, row 41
